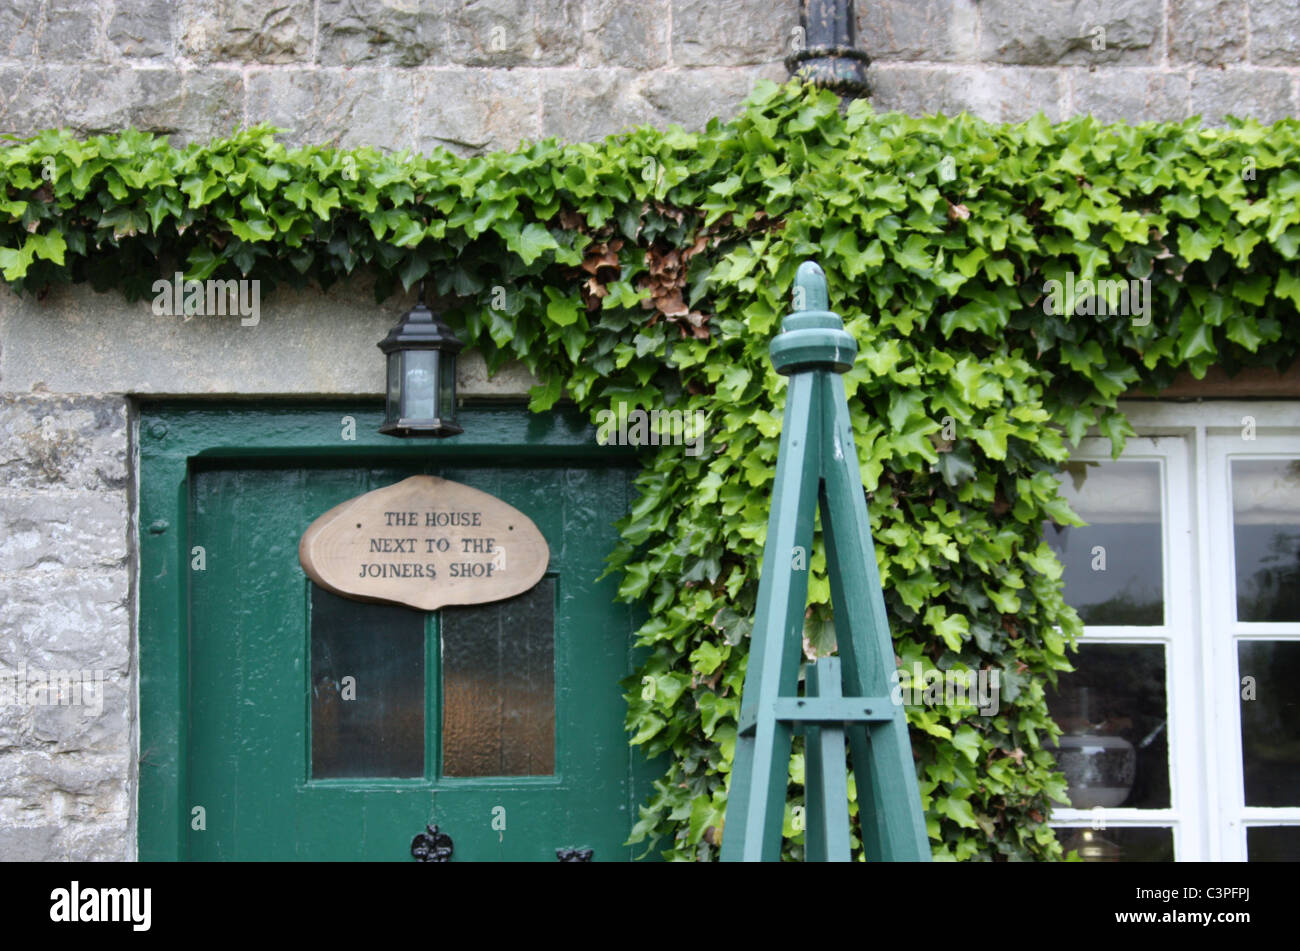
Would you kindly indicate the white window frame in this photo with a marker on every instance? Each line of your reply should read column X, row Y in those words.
column 1186, row 804
column 1207, row 812
column 1228, row 632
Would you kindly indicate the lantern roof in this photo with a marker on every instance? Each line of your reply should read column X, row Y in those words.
column 421, row 329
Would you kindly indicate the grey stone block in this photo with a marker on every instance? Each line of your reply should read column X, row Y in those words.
column 908, row 30
column 29, row 843
column 588, row 104
column 15, row 725
column 60, row 620
column 184, row 105
column 1132, row 95
column 516, row 33
column 1274, row 33
column 471, row 111
column 1207, row 31
column 50, row 31
column 247, row 31
column 143, row 28
column 79, row 786
column 584, row 105
column 710, row 33
column 69, row 729
column 76, row 442
column 691, row 97
column 1052, row 32
column 617, row 33
column 1263, row 94
column 383, row 33
column 994, row 94
column 338, row 107
column 100, row 841
column 46, row 530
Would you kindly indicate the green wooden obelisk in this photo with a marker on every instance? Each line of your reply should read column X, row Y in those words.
column 847, row 697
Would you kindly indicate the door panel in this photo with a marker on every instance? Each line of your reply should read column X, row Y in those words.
column 252, row 688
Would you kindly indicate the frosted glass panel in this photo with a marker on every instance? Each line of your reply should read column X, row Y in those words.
column 367, row 688
column 421, row 372
column 498, row 663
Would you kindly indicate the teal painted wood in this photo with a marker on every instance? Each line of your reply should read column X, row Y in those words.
column 288, row 461
column 826, row 832
column 818, row 464
column 756, row 804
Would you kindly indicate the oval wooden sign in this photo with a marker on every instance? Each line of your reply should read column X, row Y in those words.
column 425, row 542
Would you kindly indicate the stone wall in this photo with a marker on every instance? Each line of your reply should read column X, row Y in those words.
column 1116, row 59
column 393, row 73
column 67, row 771
column 471, row 76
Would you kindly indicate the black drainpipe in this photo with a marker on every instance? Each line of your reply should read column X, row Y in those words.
column 829, row 55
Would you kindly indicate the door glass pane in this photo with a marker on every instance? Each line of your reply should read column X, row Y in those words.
column 1114, row 566
column 367, row 688
column 498, row 676
column 1273, row 843
column 1114, row 747
column 1119, row 844
column 1270, row 722
column 1266, row 538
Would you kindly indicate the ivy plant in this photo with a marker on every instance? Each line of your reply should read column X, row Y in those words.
column 653, row 268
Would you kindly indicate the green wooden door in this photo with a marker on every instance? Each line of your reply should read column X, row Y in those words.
column 319, row 728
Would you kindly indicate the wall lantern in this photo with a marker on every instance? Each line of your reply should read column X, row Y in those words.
column 421, row 352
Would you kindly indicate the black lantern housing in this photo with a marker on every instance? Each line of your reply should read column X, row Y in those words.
column 421, row 353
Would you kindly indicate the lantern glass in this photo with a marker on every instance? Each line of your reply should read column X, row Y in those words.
column 420, row 385
column 393, row 408
column 447, row 388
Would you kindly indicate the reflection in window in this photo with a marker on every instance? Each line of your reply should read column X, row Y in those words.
column 1119, row 844
column 1270, row 722
column 367, row 688
column 1266, row 538
column 1114, row 566
column 1273, row 843
column 498, row 663
column 1114, row 747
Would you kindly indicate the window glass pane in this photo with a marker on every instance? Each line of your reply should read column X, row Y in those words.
column 498, row 663
column 1119, row 844
column 1270, row 722
column 367, row 688
column 1266, row 538
column 1273, row 843
column 1114, row 566
column 1114, row 748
